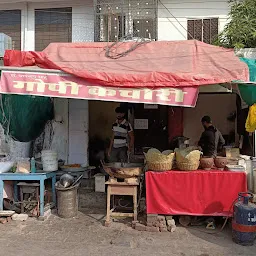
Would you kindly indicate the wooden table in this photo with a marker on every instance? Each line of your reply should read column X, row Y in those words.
column 38, row 176
column 123, row 189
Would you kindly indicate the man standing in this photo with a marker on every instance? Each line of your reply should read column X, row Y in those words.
column 211, row 140
column 122, row 139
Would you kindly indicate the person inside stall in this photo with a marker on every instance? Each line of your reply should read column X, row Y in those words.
column 122, row 138
column 211, row 140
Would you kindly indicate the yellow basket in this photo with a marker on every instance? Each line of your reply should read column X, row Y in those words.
column 188, row 166
column 160, row 167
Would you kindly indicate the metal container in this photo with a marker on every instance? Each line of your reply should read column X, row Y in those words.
column 253, row 175
column 234, row 168
column 66, row 180
column 123, row 170
column 244, row 220
column 67, row 201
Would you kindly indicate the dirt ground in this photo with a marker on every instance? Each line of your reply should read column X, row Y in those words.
column 85, row 235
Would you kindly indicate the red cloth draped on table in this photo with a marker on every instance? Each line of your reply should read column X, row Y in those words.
column 199, row 193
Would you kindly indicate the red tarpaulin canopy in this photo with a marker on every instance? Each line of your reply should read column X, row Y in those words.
column 152, row 65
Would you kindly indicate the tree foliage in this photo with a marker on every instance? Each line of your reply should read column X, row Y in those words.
column 240, row 32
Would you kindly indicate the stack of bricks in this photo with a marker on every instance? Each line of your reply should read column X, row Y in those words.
column 156, row 223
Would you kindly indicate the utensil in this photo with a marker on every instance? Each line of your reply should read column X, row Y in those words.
column 72, row 169
column 123, row 170
column 5, row 166
column 66, row 180
column 77, row 180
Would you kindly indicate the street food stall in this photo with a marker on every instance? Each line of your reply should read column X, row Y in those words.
column 139, row 73
column 203, row 191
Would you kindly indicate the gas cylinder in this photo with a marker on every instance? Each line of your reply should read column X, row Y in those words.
column 244, row 220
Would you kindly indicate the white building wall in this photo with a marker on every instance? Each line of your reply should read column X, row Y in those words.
column 82, row 18
column 173, row 16
column 82, row 31
column 249, row 53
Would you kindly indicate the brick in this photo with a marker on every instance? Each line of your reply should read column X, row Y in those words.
column 168, row 217
column 170, row 223
column 163, row 229
column 171, row 228
column 140, row 227
column 3, row 220
column 156, row 224
column 162, row 225
column 152, row 217
column 20, row 217
column 152, row 229
column 161, row 218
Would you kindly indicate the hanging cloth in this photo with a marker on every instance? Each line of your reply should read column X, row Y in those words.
column 251, row 119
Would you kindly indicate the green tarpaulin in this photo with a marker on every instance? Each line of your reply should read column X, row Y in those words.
column 23, row 116
column 247, row 90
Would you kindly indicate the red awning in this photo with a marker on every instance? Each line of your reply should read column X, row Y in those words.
column 152, row 65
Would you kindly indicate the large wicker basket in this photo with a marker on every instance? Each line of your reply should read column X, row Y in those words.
column 159, row 162
column 188, row 159
column 160, row 167
column 188, row 166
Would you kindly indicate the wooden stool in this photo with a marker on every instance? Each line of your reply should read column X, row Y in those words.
column 33, row 190
column 121, row 189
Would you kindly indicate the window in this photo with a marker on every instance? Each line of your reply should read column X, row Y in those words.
column 205, row 30
column 144, row 28
column 10, row 24
column 52, row 25
column 112, row 27
column 125, row 18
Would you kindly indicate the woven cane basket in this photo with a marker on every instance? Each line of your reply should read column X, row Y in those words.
column 189, row 166
column 160, row 167
column 188, row 159
column 157, row 161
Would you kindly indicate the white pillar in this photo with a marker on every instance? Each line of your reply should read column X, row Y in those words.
column 28, row 27
column 83, row 22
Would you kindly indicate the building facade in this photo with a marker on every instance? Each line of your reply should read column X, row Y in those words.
column 33, row 25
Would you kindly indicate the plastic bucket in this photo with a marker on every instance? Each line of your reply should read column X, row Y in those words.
column 49, row 160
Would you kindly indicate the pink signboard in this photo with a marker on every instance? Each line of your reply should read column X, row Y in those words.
column 68, row 86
